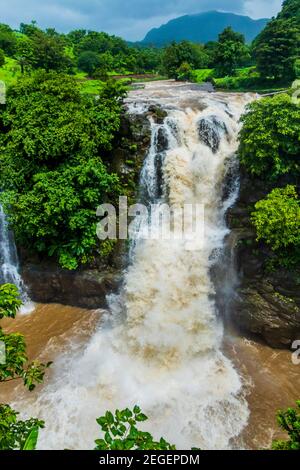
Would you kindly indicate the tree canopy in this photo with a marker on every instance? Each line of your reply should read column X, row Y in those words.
column 51, row 168
column 184, row 52
column 269, row 139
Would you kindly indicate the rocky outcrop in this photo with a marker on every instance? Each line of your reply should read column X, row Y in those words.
column 83, row 288
column 267, row 302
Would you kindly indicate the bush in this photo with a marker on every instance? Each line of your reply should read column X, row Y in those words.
column 16, row 434
column 270, row 139
column 121, row 432
column 89, row 62
column 289, row 421
column 277, row 223
column 203, row 75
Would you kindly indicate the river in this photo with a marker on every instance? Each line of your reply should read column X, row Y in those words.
column 162, row 344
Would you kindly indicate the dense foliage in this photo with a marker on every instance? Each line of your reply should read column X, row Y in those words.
column 270, row 139
column 51, row 170
column 8, row 39
column 14, row 433
column 230, row 52
column 88, row 62
column 290, row 9
column 185, row 52
column 277, row 222
column 277, row 48
column 121, row 432
column 289, row 421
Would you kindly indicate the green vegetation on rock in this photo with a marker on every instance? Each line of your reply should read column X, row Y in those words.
column 269, row 139
column 51, row 168
column 277, row 222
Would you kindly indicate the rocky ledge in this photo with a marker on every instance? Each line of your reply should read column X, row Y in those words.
column 267, row 302
column 87, row 289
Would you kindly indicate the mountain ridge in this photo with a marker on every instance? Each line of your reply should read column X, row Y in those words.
column 203, row 27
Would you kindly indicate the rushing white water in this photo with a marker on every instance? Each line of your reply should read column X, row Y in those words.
column 162, row 347
column 9, row 268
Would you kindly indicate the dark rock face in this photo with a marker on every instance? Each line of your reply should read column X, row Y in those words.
column 211, row 130
column 266, row 303
column 88, row 287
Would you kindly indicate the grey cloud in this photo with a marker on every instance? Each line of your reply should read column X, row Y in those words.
column 130, row 18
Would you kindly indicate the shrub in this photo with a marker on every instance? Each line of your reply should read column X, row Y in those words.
column 270, row 139
column 277, row 222
column 121, row 432
column 289, row 421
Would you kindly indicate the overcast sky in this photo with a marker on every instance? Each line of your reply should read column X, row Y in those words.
column 130, row 19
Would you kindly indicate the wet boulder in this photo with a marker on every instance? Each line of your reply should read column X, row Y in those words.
column 211, row 130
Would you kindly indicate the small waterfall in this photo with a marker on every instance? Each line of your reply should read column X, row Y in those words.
column 162, row 346
column 9, row 268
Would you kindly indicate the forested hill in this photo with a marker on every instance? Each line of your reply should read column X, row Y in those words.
column 204, row 27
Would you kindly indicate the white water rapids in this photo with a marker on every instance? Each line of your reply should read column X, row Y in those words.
column 162, row 346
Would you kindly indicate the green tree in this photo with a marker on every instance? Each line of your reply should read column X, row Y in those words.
column 88, row 62
column 185, row 72
column 7, row 39
column 29, row 29
column 51, row 170
column 269, row 139
column 277, row 222
column 276, row 49
column 230, row 52
column 14, row 433
column 121, row 432
column 24, row 52
column 48, row 52
column 95, row 42
column 290, row 9
column 2, row 58
column 184, row 52
column 76, row 36
column 289, row 421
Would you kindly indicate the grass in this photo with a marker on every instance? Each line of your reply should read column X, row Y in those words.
column 91, row 87
column 201, row 75
column 245, row 79
column 10, row 71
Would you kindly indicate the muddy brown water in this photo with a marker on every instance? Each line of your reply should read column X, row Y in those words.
column 272, row 381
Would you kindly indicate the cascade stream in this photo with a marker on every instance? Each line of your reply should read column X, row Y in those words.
column 9, row 266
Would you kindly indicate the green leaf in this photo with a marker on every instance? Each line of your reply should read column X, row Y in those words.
column 31, row 441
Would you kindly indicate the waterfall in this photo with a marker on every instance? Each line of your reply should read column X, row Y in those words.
column 161, row 344
column 9, row 268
